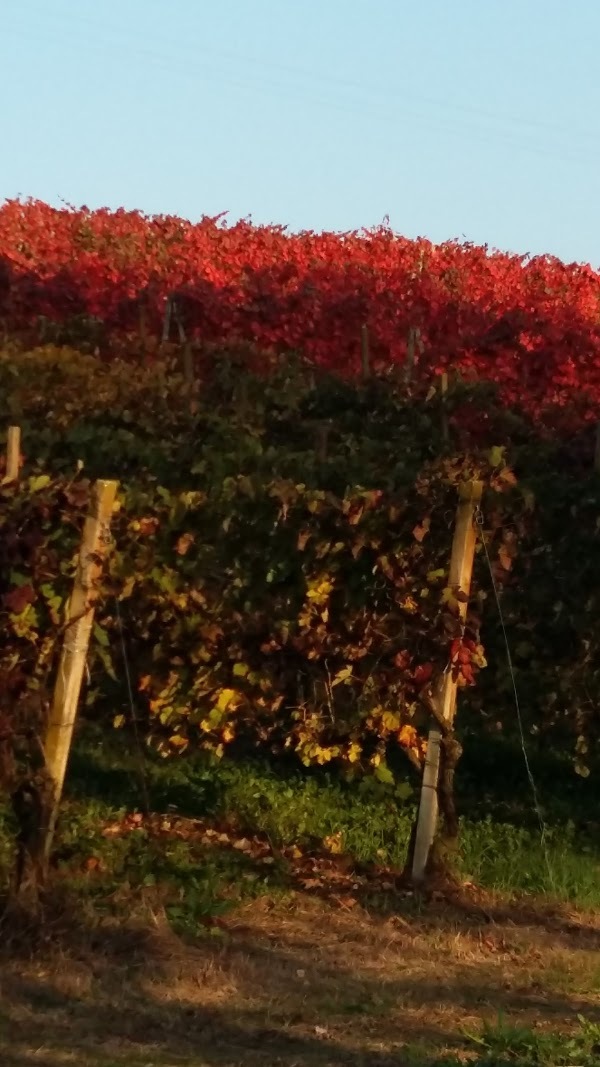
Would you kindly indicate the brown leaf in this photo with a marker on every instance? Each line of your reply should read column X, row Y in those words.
column 311, row 883
column 184, row 543
column 77, row 494
column 345, row 902
column 420, row 532
column 148, row 526
column 505, row 558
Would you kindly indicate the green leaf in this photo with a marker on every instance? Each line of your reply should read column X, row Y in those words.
column 101, row 636
column 106, row 661
column 384, row 774
column 434, row 576
column 496, row 455
column 18, row 579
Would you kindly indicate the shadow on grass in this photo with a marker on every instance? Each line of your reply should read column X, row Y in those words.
column 124, row 996
column 469, row 909
column 117, row 1020
column 198, row 790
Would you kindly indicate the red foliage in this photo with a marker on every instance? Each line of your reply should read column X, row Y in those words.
column 530, row 325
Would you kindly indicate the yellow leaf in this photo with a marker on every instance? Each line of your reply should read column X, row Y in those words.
column 390, row 721
column 354, row 752
column 408, row 736
column 334, row 843
column 226, row 698
column 35, row 484
column 345, row 675
column 409, row 605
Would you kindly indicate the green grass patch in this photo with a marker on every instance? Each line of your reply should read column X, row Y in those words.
column 374, row 819
column 504, row 1044
column 196, row 880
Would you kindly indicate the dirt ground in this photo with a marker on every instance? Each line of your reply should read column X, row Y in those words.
column 293, row 981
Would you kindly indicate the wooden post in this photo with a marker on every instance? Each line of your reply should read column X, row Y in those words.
column 459, row 580
column 59, row 733
column 364, row 351
column 186, row 349
column 413, row 343
column 13, row 454
column 166, row 330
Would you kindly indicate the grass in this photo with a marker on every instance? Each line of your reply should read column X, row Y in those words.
column 371, row 821
column 253, row 917
column 505, row 1044
column 300, row 979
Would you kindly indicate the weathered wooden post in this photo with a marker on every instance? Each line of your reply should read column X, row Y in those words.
column 459, row 580
column 63, row 713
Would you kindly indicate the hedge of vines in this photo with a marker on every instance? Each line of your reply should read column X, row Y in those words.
column 279, row 569
column 105, row 279
column 280, row 561
column 271, row 591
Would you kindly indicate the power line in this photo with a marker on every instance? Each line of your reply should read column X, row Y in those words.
column 351, row 107
column 181, row 45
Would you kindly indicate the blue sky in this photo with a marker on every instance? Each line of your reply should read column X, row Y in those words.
column 476, row 119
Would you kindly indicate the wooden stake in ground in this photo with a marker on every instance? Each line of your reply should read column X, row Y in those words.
column 412, row 345
column 459, row 579
column 13, row 454
column 57, row 743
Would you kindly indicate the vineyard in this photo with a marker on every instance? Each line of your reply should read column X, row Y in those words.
column 291, row 420
column 531, row 326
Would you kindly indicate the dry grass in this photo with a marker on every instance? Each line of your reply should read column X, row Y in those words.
column 300, row 980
